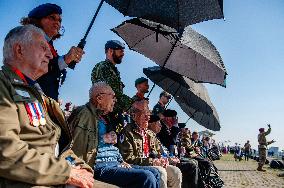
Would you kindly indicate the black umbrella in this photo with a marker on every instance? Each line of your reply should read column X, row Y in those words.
column 177, row 14
column 192, row 55
column 192, row 97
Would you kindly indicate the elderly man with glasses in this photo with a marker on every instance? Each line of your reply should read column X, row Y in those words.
column 138, row 146
column 94, row 143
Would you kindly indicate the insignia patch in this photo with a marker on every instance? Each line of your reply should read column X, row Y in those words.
column 23, row 93
column 121, row 138
column 18, row 81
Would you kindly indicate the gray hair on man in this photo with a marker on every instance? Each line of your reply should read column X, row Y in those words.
column 98, row 88
column 21, row 35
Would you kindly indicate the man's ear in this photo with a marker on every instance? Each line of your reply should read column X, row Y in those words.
column 18, row 50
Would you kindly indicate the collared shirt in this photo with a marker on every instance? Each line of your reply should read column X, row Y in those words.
column 61, row 62
column 139, row 97
column 107, row 153
column 144, row 135
column 158, row 109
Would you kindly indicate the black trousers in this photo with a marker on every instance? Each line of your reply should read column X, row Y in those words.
column 189, row 169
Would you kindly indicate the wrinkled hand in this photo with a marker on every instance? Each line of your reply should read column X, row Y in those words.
column 174, row 160
column 125, row 165
column 194, row 155
column 197, row 150
column 165, row 162
column 110, row 138
column 81, row 178
column 74, row 54
column 157, row 162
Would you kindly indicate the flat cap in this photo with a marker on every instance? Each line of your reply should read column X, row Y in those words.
column 140, row 81
column 181, row 125
column 114, row 44
column 261, row 130
column 153, row 118
column 170, row 113
column 44, row 10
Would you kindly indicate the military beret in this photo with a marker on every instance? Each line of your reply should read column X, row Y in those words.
column 165, row 94
column 261, row 130
column 140, row 81
column 44, row 10
column 114, row 44
column 181, row 125
column 153, row 118
column 169, row 113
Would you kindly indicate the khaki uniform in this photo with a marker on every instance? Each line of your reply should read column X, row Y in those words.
column 131, row 148
column 84, row 121
column 27, row 152
column 262, row 147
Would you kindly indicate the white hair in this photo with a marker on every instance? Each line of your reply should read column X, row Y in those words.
column 97, row 88
column 22, row 35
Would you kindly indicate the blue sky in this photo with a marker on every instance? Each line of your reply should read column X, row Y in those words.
column 250, row 41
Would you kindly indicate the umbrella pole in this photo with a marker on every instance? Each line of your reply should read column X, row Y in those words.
column 151, row 90
column 82, row 42
column 172, row 96
column 165, row 62
column 170, row 52
column 187, row 120
column 169, row 103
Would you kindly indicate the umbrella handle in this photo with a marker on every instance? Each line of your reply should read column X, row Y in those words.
column 82, row 42
column 151, row 90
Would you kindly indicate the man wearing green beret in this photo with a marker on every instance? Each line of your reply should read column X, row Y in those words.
column 107, row 71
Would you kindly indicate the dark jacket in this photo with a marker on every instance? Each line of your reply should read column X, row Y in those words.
column 168, row 136
column 50, row 81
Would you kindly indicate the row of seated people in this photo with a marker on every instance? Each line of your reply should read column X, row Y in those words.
column 141, row 146
column 38, row 148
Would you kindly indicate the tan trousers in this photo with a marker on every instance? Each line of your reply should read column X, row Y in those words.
column 171, row 177
column 262, row 156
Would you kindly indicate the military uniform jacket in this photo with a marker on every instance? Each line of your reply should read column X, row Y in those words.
column 84, row 122
column 27, row 152
column 107, row 72
column 131, row 146
column 158, row 109
column 262, row 139
column 168, row 136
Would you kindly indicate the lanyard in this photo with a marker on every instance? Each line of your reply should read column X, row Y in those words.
column 20, row 74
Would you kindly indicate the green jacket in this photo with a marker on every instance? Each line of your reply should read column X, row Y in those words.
column 130, row 145
column 84, row 121
column 262, row 139
column 27, row 153
column 107, row 72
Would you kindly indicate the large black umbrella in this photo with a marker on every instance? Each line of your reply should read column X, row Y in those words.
column 177, row 14
column 192, row 97
column 192, row 55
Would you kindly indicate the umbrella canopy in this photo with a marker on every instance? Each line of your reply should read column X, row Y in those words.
column 192, row 55
column 177, row 14
column 192, row 97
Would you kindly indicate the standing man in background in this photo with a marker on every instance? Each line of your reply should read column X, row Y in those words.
column 247, row 148
column 107, row 72
column 262, row 146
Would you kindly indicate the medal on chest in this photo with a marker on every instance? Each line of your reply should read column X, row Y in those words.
column 35, row 114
